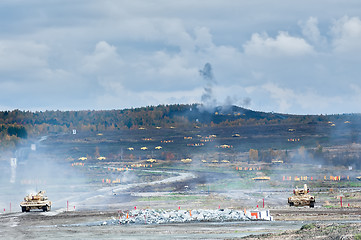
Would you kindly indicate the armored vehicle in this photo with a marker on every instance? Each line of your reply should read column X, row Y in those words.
column 37, row 201
column 264, row 178
column 301, row 197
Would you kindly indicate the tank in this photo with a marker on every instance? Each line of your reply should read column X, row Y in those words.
column 301, row 197
column 37, row 201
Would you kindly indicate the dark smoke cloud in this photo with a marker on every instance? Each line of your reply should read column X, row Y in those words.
column 207, row 73
column 208, row 100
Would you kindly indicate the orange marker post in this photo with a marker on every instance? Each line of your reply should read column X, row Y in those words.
column 341, row 201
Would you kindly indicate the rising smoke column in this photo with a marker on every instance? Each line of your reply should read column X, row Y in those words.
column 208, row 100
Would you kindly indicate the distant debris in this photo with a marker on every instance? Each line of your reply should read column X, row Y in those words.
column 159, row 216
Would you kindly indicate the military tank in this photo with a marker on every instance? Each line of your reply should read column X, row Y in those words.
column 37, row 201
column 301, row 197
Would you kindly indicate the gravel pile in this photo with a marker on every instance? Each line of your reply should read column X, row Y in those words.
column 151, row 216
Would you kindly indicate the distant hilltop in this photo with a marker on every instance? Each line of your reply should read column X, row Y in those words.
column 14, row 123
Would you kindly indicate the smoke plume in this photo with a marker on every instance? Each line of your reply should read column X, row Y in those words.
column 208, row 100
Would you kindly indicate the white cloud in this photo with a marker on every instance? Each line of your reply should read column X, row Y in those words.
column 104, row 59
column 312, row 32
column 203, row 38
column 282, row 45
column 346, row 34
column 282, row 96
column 15, row 55
column 136, row 53
column 118, row 97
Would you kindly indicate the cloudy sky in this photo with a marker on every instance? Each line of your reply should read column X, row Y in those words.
column 300, row 57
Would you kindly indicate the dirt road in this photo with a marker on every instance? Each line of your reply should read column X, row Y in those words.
column 97, row 225
column 92, row 225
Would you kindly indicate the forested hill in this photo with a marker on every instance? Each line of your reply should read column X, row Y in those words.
column 20, row 124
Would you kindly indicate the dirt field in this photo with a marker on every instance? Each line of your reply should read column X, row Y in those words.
column 95, row 225
column 88, row 194
column 88, row 225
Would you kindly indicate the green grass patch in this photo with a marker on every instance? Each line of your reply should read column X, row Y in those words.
column 331, row 206
column 357, row 236
column 308, row 226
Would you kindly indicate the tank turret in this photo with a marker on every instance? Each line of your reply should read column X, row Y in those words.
column 37, row 201
column 301, row 197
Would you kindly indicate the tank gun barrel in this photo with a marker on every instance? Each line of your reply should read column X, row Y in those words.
column 37, row 201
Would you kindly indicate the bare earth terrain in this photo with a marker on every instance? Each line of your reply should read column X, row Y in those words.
column 90, row 193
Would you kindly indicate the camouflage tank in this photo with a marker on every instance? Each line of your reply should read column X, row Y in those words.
column 301, row 197
column 38, row 201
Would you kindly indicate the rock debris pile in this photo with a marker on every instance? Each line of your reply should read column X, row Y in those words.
column 152, row 216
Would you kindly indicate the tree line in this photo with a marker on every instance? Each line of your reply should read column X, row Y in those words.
column 17, row 125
